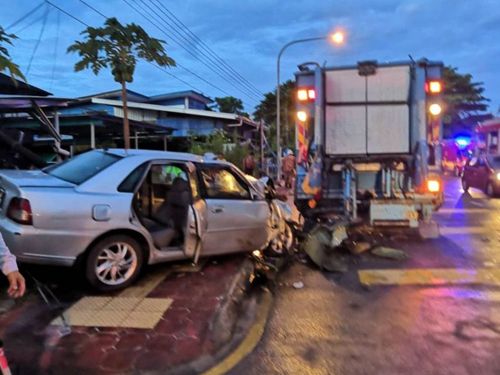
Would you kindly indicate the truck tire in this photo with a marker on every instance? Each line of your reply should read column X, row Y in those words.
column 114, row 263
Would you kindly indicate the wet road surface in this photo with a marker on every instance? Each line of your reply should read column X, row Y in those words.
column 445, row 322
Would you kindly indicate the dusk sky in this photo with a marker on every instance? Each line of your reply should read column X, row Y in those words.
column 248, row 35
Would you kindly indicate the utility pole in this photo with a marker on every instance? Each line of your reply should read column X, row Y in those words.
column 262, row 144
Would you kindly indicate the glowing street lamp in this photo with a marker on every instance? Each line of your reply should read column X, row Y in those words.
column 337, row 38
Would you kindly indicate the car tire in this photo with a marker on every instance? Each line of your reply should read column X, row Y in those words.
column 124, row 257
column 490, row 190
column 284, row 245
column 465, row 185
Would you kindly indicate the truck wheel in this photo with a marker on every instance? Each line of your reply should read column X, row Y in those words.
column 465, row 185
column 114, row 263
column 490, row 190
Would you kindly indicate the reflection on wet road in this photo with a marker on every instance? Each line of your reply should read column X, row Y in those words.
column 436, row 313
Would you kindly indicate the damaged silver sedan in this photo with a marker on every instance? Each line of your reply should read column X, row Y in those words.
column 112, row 212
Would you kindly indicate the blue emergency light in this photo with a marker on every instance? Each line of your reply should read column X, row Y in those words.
column 462, row 142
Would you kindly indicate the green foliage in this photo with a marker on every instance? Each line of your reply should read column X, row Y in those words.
column 6, row 62
column 463, row 98
column 266, row 111
column 230, row 104
column 118, row 47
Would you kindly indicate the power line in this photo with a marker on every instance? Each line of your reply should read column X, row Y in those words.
column 156, row 66
column 24, row 17
column 195, row 38
column 243, row 89
column 179, row 65
column 55, row 50
column 221, row 67
column 30, row 24
column 38, row 41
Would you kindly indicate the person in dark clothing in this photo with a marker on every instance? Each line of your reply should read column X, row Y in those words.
column 249, row 164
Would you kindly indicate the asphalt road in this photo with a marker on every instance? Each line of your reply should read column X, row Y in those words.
column 448, row 325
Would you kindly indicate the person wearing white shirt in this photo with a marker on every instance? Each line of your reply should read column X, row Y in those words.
column 8, row 265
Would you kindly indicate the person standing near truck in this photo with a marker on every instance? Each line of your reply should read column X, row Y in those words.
column 289, row 169
column 249, row 164
column 17, row 285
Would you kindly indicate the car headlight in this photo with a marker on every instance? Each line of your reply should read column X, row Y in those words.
column 498, row 176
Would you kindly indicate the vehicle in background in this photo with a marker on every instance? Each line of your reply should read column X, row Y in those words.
column 487, row 135
column 483, row 172
column 456, row 153
column 113, row 211
column 369, row 140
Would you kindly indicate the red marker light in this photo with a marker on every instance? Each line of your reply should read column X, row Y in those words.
column 311, row 94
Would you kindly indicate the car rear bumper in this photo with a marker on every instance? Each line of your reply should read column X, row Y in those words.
column 32, row 245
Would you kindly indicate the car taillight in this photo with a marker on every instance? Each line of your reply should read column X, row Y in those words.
column 20, row 211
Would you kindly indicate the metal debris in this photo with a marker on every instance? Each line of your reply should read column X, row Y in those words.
column 298, row 285
column 390, row 253
column 358, row 247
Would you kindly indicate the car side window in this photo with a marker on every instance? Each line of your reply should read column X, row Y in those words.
column 130, row 183
column 481, row 163
column 220, row 183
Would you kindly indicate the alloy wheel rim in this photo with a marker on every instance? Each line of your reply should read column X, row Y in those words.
column 116, row 263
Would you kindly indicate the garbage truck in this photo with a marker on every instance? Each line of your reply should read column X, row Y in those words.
column 368, row 142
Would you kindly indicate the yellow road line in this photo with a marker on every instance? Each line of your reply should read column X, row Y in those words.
column 147, row 284
column 249, row 343
column 462, row 210
column 463, row 230
column 431, row 276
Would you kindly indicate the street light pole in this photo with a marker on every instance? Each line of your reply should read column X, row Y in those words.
column 278, row 109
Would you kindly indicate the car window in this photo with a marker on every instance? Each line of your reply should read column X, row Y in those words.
column 82, row 167
column 220, row 183
column 130, row 183
column 481, row 162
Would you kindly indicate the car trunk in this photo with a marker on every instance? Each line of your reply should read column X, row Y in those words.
column 12, row 183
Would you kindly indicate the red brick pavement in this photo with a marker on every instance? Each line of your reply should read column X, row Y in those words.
column 182, row 335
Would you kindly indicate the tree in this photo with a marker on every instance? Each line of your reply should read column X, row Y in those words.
column 266, row 111
column 230, row 104
column 6, row 62
column 463, row 100
column 119, row 47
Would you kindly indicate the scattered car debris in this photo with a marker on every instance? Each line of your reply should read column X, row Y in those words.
column 358, row 247
column 389, row 252
column 298, row 285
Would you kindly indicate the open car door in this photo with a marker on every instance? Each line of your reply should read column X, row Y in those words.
column 197, row 218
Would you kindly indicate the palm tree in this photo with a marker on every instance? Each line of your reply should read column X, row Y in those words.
column 119, row 47
column 5, row 61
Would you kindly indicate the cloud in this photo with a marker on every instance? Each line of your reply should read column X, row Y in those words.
column 249, row 34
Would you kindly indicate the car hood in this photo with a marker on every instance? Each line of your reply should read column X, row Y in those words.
column 32, row 179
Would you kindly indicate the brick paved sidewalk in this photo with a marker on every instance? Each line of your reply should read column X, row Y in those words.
column 182, row 334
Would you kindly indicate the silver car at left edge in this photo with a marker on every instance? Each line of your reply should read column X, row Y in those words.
column 113, row 212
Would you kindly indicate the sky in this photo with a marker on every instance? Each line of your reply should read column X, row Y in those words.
column 247, row 36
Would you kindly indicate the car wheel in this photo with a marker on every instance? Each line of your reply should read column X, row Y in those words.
column 284, row 242
column 490, row 190
column 465, row 185
column 114, row 263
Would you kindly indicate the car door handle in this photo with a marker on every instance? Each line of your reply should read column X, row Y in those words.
column 218, row 209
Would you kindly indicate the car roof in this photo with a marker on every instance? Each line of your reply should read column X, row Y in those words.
column 182, row 156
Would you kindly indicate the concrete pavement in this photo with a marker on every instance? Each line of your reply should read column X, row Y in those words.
column 436, row 313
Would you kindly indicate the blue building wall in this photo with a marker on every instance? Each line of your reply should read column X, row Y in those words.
column 173, row 101
column 80, row 110
column 196, row 104
column 188, row 126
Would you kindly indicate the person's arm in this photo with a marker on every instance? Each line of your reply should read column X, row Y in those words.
column 8, row 265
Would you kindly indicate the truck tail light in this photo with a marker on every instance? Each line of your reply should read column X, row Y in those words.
column 20, row 211
column 302, row 116
column 433, row 87
column 433, row 186
column 306, row 94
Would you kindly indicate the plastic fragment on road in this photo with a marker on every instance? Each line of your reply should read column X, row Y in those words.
column 321, row 244
column 298, row 285
column 390, row 253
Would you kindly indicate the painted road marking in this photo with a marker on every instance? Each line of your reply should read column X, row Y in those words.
column 446, row 231
column 432, row 276
column 249, row 343
column 462, row 211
